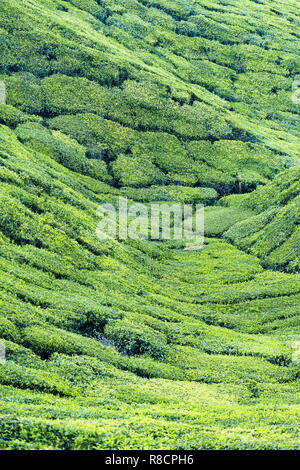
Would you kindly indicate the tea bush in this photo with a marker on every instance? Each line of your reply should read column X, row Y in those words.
column 11, row 116
column 143, row 344
column 172, row 193
column 136, row 172
column 70, row 95
column 133, row 340
column 23, row 91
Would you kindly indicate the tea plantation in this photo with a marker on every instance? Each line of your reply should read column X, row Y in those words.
column 142, row 344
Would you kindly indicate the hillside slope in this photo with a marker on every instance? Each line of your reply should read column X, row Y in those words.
column 139, row 344
column 264, row 223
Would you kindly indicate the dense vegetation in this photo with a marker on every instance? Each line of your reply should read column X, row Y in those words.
column 134, row 344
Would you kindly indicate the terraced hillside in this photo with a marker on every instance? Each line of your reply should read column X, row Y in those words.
column 139, row 344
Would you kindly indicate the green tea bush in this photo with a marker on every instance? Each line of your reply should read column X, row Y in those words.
column 91, row 6
column 283, row 188
column 244, row 163
column 220, row 219
column 41, row 140
column 91, row 130
column 249, row 226
column 136, row 172
column 11, row 116
column 144, row 107
column 164, row 150
column 23, row 91
column 271, row 231
column 172, row 193
column 20, row 355
column 133, row 339
column 265, row 89
column 70, row 95
column 185, row 179
column 14, row 217
column 25, row 377
column 47, row 341
column 8, row 330
column 96, row 169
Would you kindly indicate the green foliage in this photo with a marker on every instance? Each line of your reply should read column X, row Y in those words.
column 94, row 132
column 136, row 172
column 8, row 330
column 131, row 339
column 64, row 150
column 164, row 150
column 23, row 377
column 45, row 342
column 219, row 219
column 11, row 116
column 70, row 95
column 96, row 169
column 172, row 193
column 272, row 231
column 91, row 6
column 236, row 163
column 40, row 139
column 23, row 91
column 141, row 344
